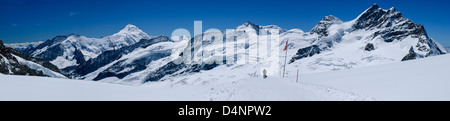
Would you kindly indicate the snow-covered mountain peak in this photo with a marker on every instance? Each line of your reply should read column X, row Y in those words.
column 252, row 26
column 322, row 27
column 73, row 49
column 392, row 9
column 129, row 28
column 375, row 17
column 273, row 27
column 377, row 35
column 332, row 19
column 246, row 25
column 250, row 23
column 129, row 35
column 373, row 8
column 76, row 35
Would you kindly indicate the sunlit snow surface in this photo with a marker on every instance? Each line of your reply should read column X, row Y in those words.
column 422, row 79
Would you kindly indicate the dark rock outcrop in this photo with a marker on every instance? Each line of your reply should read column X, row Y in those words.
column 306, row 52
column 10, row 65
column 392, row 23
column 39, row 61
column 369, row 47
column 175, row 69
column 410, row 56
column 322, row 27
column 78, row 56
column 387, row 25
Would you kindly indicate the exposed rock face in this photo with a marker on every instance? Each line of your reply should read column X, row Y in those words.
column 306, row 52
column 369, row 47
column 10, row 65
column 392, row 24
column 78, row 56
column 322, row 27
column 410, row 56
column 376, row 24
column 39, row 61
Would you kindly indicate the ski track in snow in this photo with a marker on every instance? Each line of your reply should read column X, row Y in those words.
column 272, row 89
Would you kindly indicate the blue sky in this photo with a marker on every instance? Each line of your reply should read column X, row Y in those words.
column 39, row 20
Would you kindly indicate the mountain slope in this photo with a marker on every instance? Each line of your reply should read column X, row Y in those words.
column 147, row 60
column 15, row 62
column 376, row 36
column 72, row 50
column 125, row 61
column 210, row 41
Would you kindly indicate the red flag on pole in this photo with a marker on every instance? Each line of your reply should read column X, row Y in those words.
column 285, row 57
column 285, row 47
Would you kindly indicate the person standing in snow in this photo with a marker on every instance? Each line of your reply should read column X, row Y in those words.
column 264, row 73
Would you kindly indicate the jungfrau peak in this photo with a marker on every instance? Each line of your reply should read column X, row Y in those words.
column 390, row 25
column 376, row 36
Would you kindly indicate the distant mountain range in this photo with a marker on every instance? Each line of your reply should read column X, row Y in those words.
column 72, row 50
column 376, row 36
column 23, row 46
